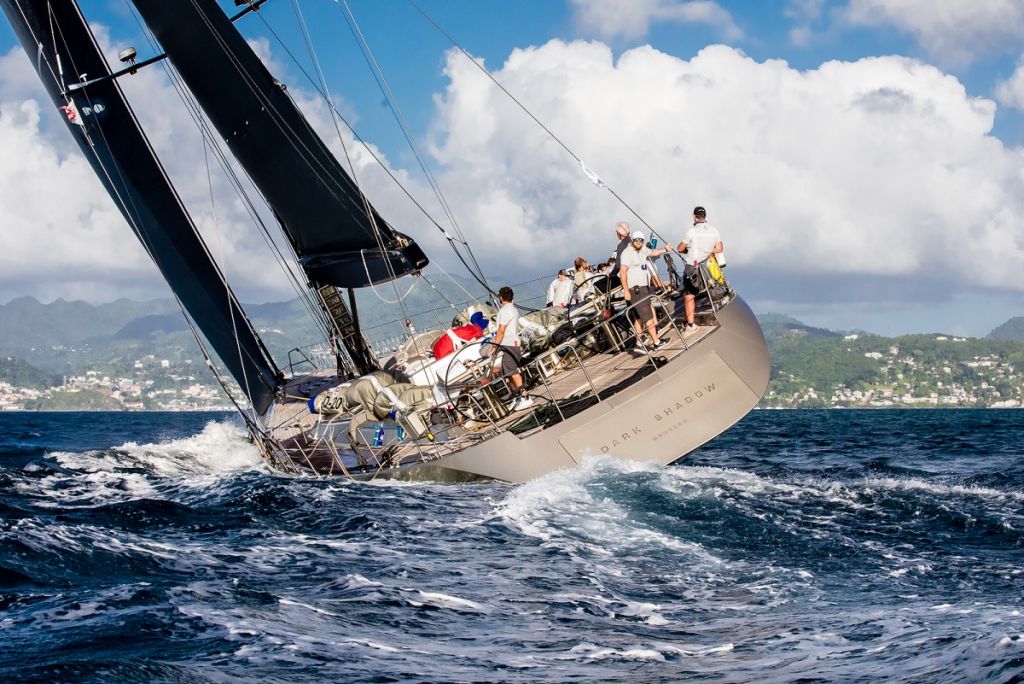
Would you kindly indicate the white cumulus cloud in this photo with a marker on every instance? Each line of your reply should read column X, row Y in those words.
column 616, row 19
column 952, row 31
column 861, row 172
column 62, row 235
column 1011, row 91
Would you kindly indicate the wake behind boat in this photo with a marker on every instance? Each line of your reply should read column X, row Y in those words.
column 595, row 388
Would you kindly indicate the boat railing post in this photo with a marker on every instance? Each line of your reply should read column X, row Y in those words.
column 583, row 367
column 647, row 351
column 551, row 395
column 672, row 323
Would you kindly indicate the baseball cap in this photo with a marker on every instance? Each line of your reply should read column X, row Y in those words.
column 638, row 235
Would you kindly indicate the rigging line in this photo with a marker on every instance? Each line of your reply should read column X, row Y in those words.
column 220, row 245
column 373, row 288
column 355, row 178
column 323, row 84
column 246, row 418
column 369, row 210
column 355, row 134
column 204, row 129
column 316, row 313
column 396, row 110
column 455, row 282
column 382, row 83
column 530, row 114
column 440, row 294
column 323, row 174
column 133, row 210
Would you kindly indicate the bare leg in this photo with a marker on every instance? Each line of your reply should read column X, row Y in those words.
column 652, row 329
column 690, row 303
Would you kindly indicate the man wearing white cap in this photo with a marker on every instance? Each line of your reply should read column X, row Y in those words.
column 635, row 272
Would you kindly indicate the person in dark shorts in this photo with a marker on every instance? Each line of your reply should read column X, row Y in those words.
column 701, row 240
column 507, row 341
column 635, row 272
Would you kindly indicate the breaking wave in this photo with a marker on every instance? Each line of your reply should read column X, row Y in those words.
column 788, row 549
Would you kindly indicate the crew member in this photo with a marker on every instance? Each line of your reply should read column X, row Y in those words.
column 508, row 342
column 701, row 241
column 635, row 273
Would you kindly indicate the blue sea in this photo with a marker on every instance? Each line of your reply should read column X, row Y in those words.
column 799, row 546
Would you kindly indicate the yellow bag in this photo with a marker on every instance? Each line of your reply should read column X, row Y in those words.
column 714, row 271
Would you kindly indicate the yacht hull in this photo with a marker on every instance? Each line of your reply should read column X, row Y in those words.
column 661, row 418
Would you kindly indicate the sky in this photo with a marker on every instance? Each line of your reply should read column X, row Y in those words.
column 862, row 159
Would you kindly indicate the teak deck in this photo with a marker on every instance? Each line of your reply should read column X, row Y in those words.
column 291, row 423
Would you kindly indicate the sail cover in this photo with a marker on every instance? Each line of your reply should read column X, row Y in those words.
column 338, row 236
column 64, row 52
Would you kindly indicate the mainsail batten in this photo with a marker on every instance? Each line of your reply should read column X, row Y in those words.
column 339, row 238
column 106, row 130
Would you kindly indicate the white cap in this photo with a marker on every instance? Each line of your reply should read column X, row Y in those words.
column 638, row 235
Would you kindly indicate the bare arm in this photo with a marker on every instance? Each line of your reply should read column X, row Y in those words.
column 718, row 247
column 623, row 278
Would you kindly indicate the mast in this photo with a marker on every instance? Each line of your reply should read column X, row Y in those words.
column 64, row 52
column 339, row 238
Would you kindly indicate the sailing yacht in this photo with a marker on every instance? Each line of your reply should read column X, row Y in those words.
column 596, row 390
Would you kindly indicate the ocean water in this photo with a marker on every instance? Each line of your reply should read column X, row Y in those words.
column 799, row 546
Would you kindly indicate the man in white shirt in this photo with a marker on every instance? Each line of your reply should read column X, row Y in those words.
column 507, row 341
column 635, row 272
column 560, row 290
column 701, row 241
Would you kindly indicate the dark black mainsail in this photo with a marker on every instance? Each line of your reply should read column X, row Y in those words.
column 64, row 52
column 338, row 236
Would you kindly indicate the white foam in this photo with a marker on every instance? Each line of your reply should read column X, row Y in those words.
column 647, row 611
column 594, row 652
column 126, row 472
column 438, row 600
column 221, row 447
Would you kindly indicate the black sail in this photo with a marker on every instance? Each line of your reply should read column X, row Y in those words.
column 64, row 52
column 327, row 218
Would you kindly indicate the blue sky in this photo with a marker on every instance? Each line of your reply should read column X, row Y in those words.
column 862, row 157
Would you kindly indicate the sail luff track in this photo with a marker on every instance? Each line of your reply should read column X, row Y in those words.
column 339, row 237
column 63, row 50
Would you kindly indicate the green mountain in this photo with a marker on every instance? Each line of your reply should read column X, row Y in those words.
column 27, row 323
column 1012, row 330
column 810, row 366
column 65, row 337
column 21, row 374
column 777, row 326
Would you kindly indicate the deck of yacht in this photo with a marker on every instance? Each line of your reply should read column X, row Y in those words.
column 560, row 385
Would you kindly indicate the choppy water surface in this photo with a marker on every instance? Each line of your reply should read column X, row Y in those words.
column 810, row 545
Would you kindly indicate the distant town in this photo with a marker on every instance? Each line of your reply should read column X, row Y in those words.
column 153, row 384
column 921, row 373
column 856, row 371
column 63, row 357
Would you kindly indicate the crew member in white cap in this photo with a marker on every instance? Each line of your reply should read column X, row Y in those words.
column 635, row 271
